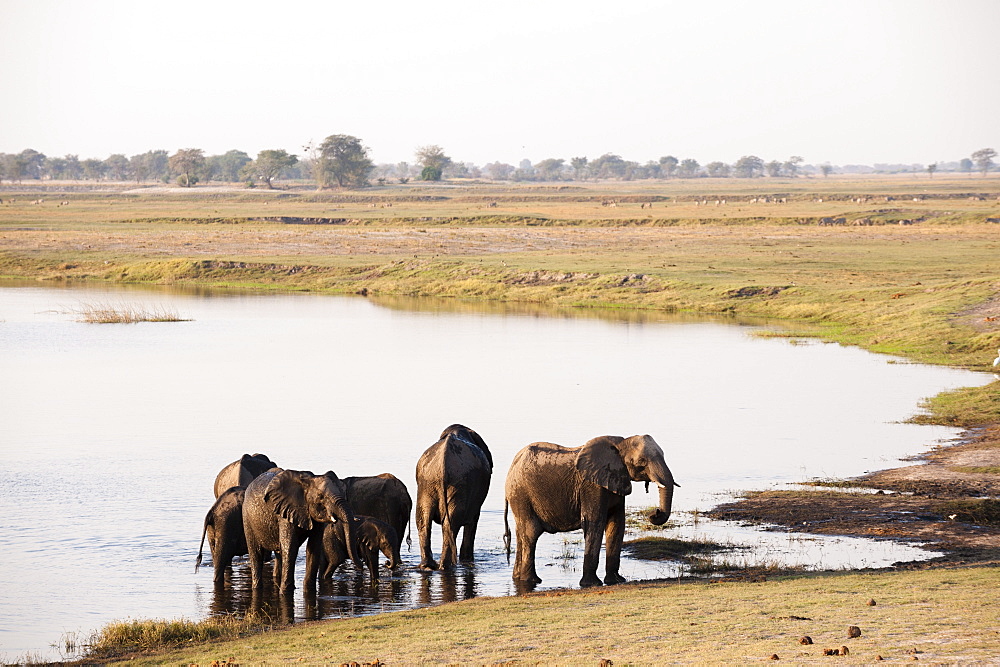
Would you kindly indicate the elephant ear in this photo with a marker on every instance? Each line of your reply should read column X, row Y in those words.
column 286, row 497
column 599, row 462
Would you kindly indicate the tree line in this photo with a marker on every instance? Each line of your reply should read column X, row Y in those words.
column 343, row 160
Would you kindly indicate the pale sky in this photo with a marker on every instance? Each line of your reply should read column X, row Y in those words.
column 838, row 81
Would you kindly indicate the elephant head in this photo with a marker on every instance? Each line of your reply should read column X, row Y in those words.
column 308, row 501
column 614, row 463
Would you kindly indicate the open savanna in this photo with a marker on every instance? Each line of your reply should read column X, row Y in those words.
column 928, row 290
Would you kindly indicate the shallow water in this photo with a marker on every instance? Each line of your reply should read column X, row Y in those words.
column 113, row 434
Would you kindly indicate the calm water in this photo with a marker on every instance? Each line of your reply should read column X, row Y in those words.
column 113, row 434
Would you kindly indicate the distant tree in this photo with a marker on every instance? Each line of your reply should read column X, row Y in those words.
column 186, row 163
column 498, row 171
column 668, row 166
column 983, row 158
column 965, row 165
column 342, row 159
column 791, row 165
column 773, row 168
column 55, row 168
column 749, row 166
column 31, row 164
column 580, row 167
column 458, row 170
column 608, row 165
column 717, row 169
column 549, row 169
column 688, row 168
column 116, row 167
column 269, row 165
column 93, row 169
column 8, row 169
column 931, row 168
column 151, row 165
column 432, row 161
column 826, row 169
column 72, row 170
column 227, row 167
column 431, row 173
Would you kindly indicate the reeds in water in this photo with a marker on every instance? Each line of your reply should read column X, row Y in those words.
column 124, row 313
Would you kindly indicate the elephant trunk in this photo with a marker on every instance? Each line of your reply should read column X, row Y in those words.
column 342, row 512
column 666, row 486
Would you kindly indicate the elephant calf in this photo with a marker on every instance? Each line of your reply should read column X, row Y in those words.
column 224, row 527
column 373, row 536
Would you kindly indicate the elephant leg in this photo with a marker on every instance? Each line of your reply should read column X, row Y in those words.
column 287, row 581
column 592, row 533
column 614, row 535
column 256, row 558
column 468, row 551
column 527, row 534
column 449, row 536
column 314, row 560
column 424, row 537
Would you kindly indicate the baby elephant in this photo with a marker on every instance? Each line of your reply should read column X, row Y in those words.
column 373, row 536
column 224, row 527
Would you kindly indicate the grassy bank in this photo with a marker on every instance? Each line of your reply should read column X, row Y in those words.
column 937, row 616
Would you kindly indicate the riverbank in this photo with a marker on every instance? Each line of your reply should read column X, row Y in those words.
column 937, row 616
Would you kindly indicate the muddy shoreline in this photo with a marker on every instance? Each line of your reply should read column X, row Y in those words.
column 946, row 502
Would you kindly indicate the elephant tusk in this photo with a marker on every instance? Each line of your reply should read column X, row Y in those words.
column 333, row 519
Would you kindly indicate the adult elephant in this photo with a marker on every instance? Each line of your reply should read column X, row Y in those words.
column 554, row 489
column 383, row 497
column 224, row 528
column 284, row 508
column 242, row 472
column 453, row 477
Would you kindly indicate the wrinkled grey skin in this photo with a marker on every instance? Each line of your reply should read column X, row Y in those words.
column 373, row 536
column 383, row 497
column 242, row 472
column 224, row 528
column 554, row 489
column 453, row 477
column 284, row 508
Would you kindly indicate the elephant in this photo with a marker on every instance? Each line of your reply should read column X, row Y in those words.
column 383, row 497
column 242, row 472
column 453, row 478
column 373, row 536
column 554, row 489
column 224, row 527
column 284, row 508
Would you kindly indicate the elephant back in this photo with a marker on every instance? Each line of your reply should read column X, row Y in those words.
column 241, row 472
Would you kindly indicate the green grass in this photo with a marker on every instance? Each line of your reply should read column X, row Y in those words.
column 938, row 616
column 130, row 636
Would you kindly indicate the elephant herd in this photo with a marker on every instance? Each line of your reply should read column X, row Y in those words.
column 264, row 511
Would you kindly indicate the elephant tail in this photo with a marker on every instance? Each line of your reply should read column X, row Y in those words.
column 506, row 530
column 201, row 547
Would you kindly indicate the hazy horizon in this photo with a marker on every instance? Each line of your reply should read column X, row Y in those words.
column 854, row 82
